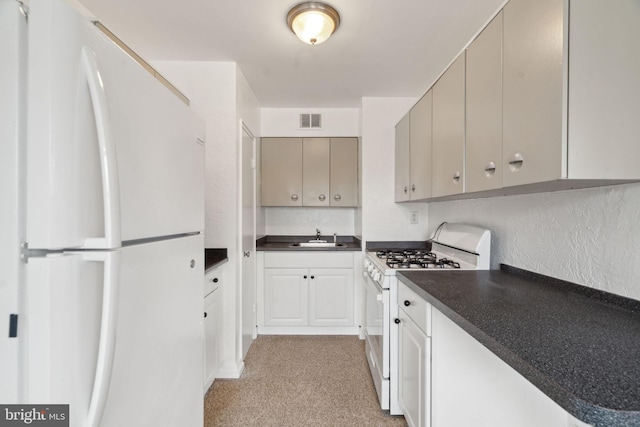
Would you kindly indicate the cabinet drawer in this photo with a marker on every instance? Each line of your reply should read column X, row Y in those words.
column 308, row 260
column 416, row 308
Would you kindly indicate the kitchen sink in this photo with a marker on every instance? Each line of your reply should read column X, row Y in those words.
column 316, row 244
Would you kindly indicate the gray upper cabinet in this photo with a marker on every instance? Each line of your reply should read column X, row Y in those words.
column 413, row 152
column 420, row 147
column 604, row 90
column 282, row 171
column 551, row 102
column 402, row 159
column 483, row 152
column 310, row 172
column 344, row 172
column 315, row 171
column 447, row 167
column 533, row 96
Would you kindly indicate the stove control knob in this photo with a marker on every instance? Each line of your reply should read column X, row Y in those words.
column 376, row 275
column 367, row 263
column 370, row 268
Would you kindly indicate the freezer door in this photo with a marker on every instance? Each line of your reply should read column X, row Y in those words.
column 112, row 154
column 118, row 335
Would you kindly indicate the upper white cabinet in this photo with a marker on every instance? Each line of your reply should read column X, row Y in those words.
column 413, row 152
column 483, row 152
column 309, row 171
column 447, row 167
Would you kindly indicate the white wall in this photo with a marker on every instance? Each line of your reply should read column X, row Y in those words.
column 304, row 221
column 220, row 94
column 284, row 122
column 590, row 237
column 382, row 219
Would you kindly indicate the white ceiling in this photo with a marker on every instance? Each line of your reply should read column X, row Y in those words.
column 382, row 48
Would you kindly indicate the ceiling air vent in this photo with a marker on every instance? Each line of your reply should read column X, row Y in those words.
column 310, row 121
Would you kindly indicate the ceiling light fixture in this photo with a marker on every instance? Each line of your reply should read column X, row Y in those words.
column 313, row 22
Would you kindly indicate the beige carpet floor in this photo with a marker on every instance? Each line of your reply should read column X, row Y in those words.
column 299, row 381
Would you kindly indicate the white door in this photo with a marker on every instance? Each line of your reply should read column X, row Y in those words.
column 248, row 233
column 112, row 154
column 414, row 363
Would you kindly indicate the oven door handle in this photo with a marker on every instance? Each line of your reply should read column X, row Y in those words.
column 375, row 287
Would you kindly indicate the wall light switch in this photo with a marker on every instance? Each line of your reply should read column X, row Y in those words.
column 413, row 217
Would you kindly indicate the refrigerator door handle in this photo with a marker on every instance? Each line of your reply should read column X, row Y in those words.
column 108, row 326
column 108, row 162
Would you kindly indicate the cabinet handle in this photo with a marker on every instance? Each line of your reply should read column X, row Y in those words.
column 215, row 280
column 407, row 303
column 490, row 168
column 192, row 263
column 205, row 314
column 456, row 176
column 396, row 321
column 294, row 197
column 337, row 197
column 313, row 277
column 305, row 276
column 413, row 187
column 516, row 162
column 322, row 197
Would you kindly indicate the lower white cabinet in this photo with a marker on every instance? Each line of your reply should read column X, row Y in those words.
column 413, row 371
column 212, row 327
column 471, row 386
column 414, row 357
column 305, row 293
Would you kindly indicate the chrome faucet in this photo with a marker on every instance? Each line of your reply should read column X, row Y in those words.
column 317, row 234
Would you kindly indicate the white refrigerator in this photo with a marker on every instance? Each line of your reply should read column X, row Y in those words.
column 101, row 225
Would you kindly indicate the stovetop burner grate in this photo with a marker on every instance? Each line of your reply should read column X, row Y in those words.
column 414, row 258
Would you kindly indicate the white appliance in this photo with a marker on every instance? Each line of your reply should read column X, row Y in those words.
column 103, row 204
column 453, row 246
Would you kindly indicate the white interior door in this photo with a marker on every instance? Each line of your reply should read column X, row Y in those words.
column 248, row 235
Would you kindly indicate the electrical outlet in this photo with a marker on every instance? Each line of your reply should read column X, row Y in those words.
column 413, row 217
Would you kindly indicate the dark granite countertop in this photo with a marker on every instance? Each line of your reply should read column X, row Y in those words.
column 578, row 345
column 213, row 257
column 282, row 243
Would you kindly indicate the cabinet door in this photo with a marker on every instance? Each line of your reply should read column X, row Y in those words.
column 281, row 171
column 483, row 151
column 344, row 172
column 402, row 173
column 420, row 147
column 414, row 360
column 448, row 131
column 315, row 171
column 286, row 297
column 331, row 297
column 212, row 336
column 533, row 94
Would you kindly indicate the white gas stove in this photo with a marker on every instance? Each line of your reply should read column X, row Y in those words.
column 453, row 246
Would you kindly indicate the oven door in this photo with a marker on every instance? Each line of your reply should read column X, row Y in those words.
column 377, row 337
